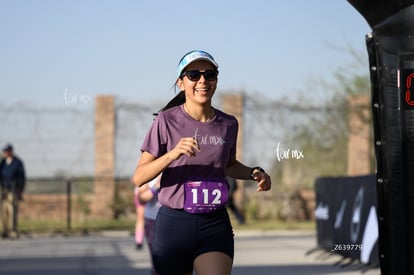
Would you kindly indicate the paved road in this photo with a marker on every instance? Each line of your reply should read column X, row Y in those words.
column 257, row 253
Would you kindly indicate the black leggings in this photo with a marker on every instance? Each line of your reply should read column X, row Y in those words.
column 179, row 237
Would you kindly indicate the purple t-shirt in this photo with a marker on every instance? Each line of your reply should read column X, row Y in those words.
column 217, row 139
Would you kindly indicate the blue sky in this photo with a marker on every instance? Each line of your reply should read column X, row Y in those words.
column 50, row 48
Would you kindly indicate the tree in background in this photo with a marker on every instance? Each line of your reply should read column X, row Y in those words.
column 315, row 122
column 323, row 131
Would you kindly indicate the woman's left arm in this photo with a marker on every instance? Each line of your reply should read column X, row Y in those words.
column 238, row 170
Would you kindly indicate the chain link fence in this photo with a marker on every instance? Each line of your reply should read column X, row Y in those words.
column 57, row 145
column 59, row 142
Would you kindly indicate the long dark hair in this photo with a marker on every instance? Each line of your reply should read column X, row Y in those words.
column 177, row 100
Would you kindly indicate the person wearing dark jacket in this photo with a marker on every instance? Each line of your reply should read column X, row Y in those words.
column 12, row 181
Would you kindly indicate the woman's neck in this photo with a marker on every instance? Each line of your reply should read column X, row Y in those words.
column 199, row 113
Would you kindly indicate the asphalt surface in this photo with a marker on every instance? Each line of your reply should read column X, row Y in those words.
column 257, row 253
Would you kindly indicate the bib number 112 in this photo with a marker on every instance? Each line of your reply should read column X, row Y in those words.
column 215, row 193
column 205, row 196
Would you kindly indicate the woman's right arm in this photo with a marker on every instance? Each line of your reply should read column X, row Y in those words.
column 149, row 166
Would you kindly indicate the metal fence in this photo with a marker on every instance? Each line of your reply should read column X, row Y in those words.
column 59, row 142
column 57, row 146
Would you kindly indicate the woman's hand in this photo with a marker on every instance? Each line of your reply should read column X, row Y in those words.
column 264, row 182
column 186, row 146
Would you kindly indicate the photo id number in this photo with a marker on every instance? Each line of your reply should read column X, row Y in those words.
column 346, row 247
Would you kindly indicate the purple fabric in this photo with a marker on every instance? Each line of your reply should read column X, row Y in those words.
column 217, row 139
column 201, row 196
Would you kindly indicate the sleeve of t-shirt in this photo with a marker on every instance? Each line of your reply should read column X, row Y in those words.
column 153, row 182
column 155, row 140
column 233, row 148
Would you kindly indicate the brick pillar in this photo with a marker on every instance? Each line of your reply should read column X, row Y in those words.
column 233, row 104
column 104, row 188
column 359, row 146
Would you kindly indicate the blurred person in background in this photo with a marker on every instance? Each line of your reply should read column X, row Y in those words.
column 148, row 195
column 230, row 203
column 12, row 180
column 139, row 223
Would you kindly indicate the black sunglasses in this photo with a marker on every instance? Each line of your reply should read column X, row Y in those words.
column 195, row 75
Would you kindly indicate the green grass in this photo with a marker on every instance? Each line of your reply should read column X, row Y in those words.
column 50, row 226
column 275, row 225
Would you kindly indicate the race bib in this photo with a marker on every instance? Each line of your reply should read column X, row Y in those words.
column 205, row 196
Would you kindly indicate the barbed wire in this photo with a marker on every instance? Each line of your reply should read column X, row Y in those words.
column 61, row 141
column 50, row 141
